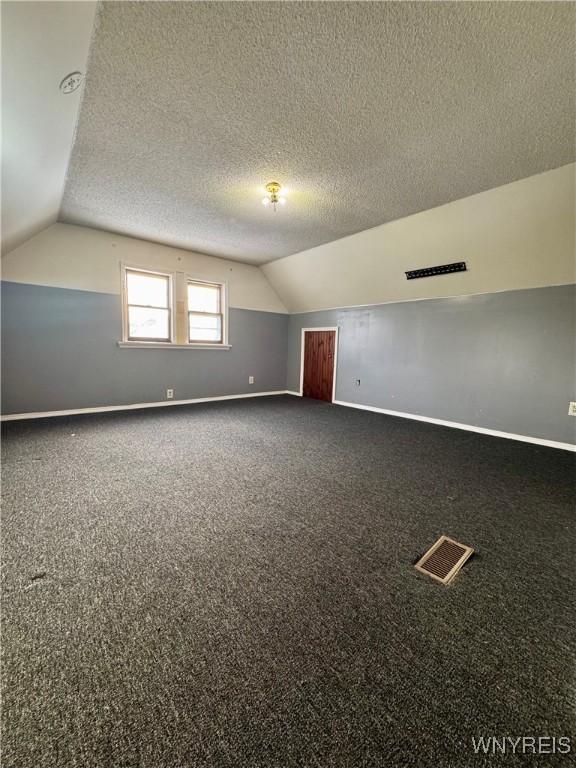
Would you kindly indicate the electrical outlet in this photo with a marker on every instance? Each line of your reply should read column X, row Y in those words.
column 250, row 379
column 169, row 394
column 572, row 409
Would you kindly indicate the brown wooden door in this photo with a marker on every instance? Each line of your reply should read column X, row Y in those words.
column 319, row 347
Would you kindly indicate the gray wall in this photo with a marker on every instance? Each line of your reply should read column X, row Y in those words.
column 505, row 361
column 60, row 351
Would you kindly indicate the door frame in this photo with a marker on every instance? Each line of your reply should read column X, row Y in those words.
column 302, row 344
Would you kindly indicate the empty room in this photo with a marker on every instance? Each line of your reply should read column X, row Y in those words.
column 288, row 384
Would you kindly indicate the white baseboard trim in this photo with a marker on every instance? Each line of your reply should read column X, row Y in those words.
column 467, row 427
column 132, row 406
column 374, row 409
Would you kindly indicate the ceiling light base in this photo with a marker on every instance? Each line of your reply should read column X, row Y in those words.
column 273, row 197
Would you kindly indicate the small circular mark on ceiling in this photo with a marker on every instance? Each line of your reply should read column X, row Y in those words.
column 71, row 82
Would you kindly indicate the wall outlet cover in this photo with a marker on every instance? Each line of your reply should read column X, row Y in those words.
column 250, row 379
column 169, row 394
column 572, row 409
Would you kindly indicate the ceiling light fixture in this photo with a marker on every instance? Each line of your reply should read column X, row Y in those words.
column 273, row 196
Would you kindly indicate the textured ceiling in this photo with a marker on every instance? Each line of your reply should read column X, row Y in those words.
column 367, row 112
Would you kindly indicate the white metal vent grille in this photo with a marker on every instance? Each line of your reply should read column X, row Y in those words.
column 444, row 559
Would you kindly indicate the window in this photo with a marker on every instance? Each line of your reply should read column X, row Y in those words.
column 205, row 315
column 172, row 309
column 148, row 306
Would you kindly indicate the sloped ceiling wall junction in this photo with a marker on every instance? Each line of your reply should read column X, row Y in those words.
column 517, row 236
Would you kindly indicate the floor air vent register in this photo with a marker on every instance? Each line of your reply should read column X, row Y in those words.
column 444, row 559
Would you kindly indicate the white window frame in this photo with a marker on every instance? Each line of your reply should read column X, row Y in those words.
column 126, row 268
column 223, row 311
column 178, row 298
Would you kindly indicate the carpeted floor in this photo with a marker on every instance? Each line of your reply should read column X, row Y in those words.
column 231, row 585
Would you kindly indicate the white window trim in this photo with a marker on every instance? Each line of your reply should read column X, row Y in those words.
column 224, row 306
column 125, row 325
column 168, row 345
column 175, row 279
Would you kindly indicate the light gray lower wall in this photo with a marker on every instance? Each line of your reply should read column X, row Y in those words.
column 60, row 351
column 504, row 361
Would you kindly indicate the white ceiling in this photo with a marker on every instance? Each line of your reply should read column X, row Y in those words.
column 367, row 111
column 41, row 43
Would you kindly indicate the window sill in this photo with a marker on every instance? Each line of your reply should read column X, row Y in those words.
column 168, row 345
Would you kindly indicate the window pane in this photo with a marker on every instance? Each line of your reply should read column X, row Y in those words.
column 203, row 298
column 205, row 327
column 150, row 290
column 147, row 323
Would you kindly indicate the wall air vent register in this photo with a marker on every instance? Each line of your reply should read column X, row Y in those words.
column 443, row 269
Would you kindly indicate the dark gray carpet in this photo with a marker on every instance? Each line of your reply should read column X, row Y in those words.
column 232, row 585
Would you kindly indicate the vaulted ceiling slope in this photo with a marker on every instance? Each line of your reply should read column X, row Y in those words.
column 520, row 235
column 367, row 111
column 42, row 42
